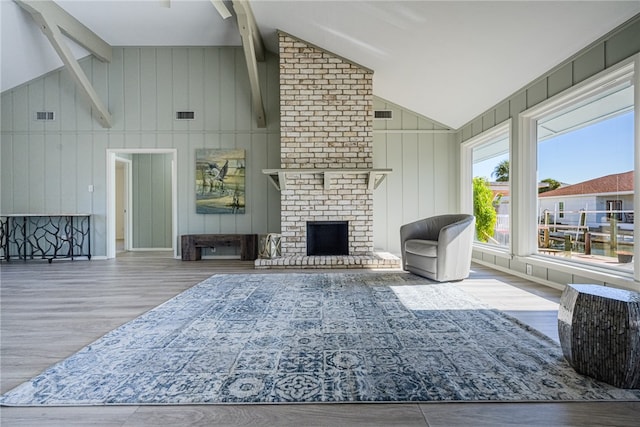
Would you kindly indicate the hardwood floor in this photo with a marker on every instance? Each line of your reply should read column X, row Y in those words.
column 50, row 311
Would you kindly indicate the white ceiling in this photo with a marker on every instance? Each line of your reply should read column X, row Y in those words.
column 448, row 60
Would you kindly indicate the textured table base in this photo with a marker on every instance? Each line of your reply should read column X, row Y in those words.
column 599, row 329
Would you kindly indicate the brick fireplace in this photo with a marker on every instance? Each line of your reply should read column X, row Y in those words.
column 326, row 172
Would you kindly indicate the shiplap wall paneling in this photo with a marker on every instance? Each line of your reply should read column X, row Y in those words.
column 196, row 85
column 227, row 90
column 422, row 182
column 67, row 112
column 187, row 194
column 623, row 44
column 560, row 80
column 6, row 118
column 151, row 201
column 243, row 110
column 36, row 164
column 116, row 98
column 132, row 92
column 52, row 179
column 272, row 160
column 100, row 83
column 447, row 173
column 164, row 106
column 186, row 189
column 212, row 90
column 589, row 63
column 257, row 183
column 410, row 174
column 180, row 87
column 380, row 194
column 36, row 103
column 143, row 88
column 51, row 100
column 6, row 171
column 20, row 109
column 502, row 112
column 426, row 175
column 148, row 90
column 394, row 200
column 21, row 180
column 537, row 93
column 84, row 174
column 162, row 202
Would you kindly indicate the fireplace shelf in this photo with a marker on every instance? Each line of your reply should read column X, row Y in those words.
column 278, row 177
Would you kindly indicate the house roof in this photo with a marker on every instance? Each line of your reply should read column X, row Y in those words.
column 426, row 55
column 616, row 183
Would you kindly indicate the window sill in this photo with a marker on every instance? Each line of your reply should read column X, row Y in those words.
column 608, row 276
column 499, row 251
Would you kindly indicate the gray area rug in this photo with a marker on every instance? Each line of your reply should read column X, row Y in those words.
column 317, row 337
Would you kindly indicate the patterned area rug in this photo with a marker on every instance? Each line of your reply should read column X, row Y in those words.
column 316, row 337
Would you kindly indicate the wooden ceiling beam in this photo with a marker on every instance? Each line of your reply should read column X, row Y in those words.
column 221, row 8
column 53, row 21
column 253, row 51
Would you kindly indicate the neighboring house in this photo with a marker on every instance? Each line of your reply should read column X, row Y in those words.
column 600, row 197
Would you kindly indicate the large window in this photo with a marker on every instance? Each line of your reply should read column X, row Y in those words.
column 585, row 171
column 487, row 156
column 576, row 184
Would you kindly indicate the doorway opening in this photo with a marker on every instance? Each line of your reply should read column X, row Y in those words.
column 141, row 200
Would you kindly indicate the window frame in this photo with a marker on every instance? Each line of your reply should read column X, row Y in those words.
column 466, row 181
column 524, row 228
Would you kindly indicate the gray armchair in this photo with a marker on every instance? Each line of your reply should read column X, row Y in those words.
column 438, row 248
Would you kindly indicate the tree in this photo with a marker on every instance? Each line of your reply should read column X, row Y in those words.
column 483, row 209
column 553, row 184
column 501, row 171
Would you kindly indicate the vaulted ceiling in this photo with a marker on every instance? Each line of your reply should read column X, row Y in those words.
column 447, row 60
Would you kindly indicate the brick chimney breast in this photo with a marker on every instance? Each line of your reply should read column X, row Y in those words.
column 326, row 122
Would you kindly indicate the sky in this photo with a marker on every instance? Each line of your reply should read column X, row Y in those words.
column 597, row 150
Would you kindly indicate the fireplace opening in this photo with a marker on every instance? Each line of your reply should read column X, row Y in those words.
column 327, row 238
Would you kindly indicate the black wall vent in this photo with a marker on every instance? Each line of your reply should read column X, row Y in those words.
column 383, row 114
column 45, row 115
column 185, row 115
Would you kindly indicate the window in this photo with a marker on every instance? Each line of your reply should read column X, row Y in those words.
column 575, row 179
column 614, row 210
column 488, row 186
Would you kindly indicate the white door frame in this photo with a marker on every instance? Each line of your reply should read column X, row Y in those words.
column 128, row 201
column 111, row 195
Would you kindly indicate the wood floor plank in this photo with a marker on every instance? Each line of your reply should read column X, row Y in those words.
column 370, row 415
column 614, row 414
column 50, row 311
column 98, row 416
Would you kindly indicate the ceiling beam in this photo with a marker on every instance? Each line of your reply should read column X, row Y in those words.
column 221, row 8
column 53, row 20
column 70, row 27
column 253, row 51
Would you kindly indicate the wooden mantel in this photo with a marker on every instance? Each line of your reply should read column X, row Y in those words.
column 278, row 177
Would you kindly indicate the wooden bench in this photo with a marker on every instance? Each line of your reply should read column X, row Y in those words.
column 192, row 245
